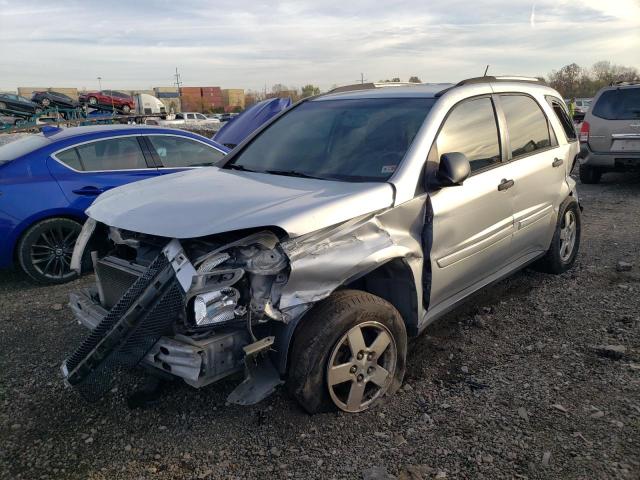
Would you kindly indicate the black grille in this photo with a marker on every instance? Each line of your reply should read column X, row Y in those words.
column 144, row 313
column 115, row 277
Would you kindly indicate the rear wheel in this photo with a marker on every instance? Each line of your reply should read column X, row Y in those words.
column 126, row 109
column 566, row 240
column 93, row 101
column 45, row 250
column 45, row 102
column 348, row 354
column 589, row 175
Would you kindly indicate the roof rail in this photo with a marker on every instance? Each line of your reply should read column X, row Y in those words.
column 623, row 83
column 492, row 79
column 370, row 85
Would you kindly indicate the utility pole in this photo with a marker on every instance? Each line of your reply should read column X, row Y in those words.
column 178, row 82
column 100, row 82
column 362, row 78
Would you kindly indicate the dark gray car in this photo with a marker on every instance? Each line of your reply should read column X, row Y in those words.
column 610, row 133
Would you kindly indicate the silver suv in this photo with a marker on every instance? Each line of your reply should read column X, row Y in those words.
column 610, row 132
column 347, row 224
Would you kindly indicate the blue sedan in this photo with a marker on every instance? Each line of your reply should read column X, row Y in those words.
column 48, row 180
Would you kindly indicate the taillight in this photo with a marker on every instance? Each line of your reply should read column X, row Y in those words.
column 584, row 132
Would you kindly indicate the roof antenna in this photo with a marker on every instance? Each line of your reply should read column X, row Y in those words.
column 486, row 70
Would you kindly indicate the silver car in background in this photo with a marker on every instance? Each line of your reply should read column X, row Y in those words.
column 326, row 239
column 610, row 132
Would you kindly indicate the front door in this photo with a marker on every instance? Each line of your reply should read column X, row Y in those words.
column 472, row 223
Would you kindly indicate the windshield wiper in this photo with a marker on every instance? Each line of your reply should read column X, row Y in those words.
column 242, row 168
column 293, row 173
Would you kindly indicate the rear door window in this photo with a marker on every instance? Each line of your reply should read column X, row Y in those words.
column 618, row 104
column 560, row 110
column 471, row 129
column 526, row 123
column 178, row 152
column 123, row 153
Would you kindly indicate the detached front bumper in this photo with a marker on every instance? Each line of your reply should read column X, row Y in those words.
column 198, row 361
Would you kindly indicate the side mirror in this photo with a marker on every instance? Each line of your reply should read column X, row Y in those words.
column 453, row 170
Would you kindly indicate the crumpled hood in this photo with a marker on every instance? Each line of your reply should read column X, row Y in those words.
column 211, row 200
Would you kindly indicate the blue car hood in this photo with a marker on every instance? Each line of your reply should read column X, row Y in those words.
column 236, row 130
column 211, row 200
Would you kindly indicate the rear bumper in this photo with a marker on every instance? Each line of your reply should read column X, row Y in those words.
column 609, row 160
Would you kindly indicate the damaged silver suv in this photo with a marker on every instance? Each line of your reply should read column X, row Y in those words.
column 327, row 238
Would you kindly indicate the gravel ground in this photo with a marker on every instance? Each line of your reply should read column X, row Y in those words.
column 511, row 385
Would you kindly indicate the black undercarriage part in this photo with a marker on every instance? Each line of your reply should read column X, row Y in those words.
column 140, row 317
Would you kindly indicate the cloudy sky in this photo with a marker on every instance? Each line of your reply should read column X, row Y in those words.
column 250, row 44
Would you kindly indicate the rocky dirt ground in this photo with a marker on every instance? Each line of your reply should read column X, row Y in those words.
column 512, row 385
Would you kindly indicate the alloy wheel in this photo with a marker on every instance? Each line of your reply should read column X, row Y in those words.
column 361, row 366
column 51, row 252
column 568, row 231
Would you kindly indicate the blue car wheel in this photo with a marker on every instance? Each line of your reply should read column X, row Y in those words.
column 46, row 248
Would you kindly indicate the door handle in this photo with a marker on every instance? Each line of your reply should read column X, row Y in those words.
column 89, row 190
column 505, row 184
column 557, row 162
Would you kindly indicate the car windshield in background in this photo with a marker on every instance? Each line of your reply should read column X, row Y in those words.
column 349, row 140
column 20, row 147
column 619, row 104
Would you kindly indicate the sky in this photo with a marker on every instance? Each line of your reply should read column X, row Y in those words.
column 138, row 44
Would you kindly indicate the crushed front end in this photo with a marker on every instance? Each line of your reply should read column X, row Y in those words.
column 198, row 309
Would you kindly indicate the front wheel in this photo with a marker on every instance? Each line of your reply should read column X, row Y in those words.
column 45, row 250
column 349, row 353
column 126, row 109
column 93, row 101
column 566, row 240
column 45, row 102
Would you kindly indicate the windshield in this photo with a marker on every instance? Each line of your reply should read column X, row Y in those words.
column 618, row 104
column 17, row 148
column 350, row 140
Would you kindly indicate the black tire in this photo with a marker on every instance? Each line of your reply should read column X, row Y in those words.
column 556, row 260
column 44, row 251
column 93, row 101
column 45, row 102
column 589, row 175
column 126, row 109
column 319, row 337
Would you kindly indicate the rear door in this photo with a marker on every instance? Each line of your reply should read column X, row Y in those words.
column 85, row 171
column 537, row 165
column 173, row 153
column 615, row 127
column 472, row 223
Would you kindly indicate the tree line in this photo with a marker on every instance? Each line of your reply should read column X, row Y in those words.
column 575, row 81
column 571, row 81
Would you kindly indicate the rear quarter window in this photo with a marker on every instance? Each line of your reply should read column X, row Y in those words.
column 618, row 104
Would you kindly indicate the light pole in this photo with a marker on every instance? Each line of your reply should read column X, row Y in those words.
column 100, row 82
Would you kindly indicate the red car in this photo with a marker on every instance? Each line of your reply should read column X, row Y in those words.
column 109, row 99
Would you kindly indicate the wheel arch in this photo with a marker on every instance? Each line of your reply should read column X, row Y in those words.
column 28, row 223
column 392, row 281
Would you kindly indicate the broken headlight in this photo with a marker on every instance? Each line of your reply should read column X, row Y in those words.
column 215, row 307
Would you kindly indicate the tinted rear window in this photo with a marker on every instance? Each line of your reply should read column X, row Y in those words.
column 17, row 148
column 619, row 104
